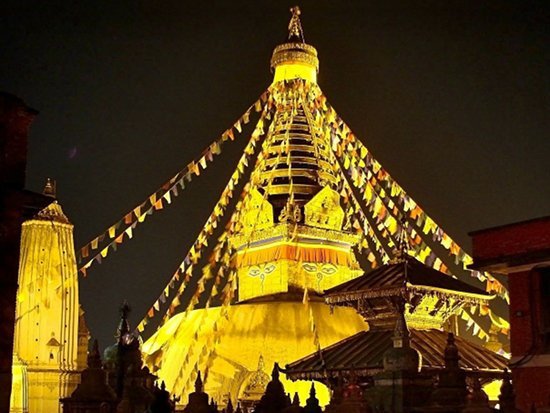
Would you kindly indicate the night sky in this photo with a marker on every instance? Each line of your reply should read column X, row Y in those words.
column 452, row 100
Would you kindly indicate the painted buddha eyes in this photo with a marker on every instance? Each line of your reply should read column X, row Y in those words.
column 269, row 268
column 325, row 269
column 309, row 267
column 328, row 269
column 261, row 270
column 254, row 271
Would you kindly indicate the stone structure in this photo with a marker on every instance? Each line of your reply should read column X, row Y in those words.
column 131, row 381
column 198, row 400
column 312, row 403
column 275, row 400
column 399, row 387
column 93, row 394
column 451, row 391
column 50, row 338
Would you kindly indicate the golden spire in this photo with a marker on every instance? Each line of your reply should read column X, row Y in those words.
column 295, row 59
column 295, row 31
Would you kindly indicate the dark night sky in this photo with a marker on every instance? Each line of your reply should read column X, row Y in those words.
column 452, row 100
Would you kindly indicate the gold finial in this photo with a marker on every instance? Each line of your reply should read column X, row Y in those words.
column 49, row 188
column 295, row 31
column 295, row 59
column 401, row 252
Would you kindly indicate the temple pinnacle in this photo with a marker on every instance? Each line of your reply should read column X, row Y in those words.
column 401, row 251
column 275, row 372
column 295, row 59
column 295, row 31
column 198, row 383
column 50, row 188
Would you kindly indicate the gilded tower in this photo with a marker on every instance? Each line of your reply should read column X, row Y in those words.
column 314, row 200
column 292, row 235
column 292, row 241
column 50, row 334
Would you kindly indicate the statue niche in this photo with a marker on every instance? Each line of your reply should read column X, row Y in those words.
column 324, row 210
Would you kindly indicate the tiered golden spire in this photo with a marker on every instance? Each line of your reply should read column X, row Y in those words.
column 295, row 58
column 295, row 31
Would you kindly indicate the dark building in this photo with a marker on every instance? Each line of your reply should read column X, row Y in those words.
column 521, row 251
column 16, row 205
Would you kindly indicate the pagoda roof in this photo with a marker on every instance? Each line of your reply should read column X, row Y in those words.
column 393, row 276
column 363, row 354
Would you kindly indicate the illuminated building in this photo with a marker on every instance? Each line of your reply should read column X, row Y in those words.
column 291, row 238
column 415, row 297
column 51, row 339
column 316, row 201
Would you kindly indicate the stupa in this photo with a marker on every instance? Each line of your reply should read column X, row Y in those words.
column 315, row 204
column 291, row 239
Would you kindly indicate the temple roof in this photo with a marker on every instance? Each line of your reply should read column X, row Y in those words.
column 53, row 212
column 364, row 351
column 391, row 276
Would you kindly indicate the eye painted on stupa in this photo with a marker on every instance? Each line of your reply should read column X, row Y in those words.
column 254, row 271
column 328, row 269
column 269, row 268
column 309, row 267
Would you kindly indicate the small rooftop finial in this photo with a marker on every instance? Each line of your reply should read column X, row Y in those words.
column 312, row 403
column 401, row 252
column 451, row 353
column 198, row 383
column 312, row 391
column 401, row 334
column 125, row 310
column 275, row 372
column 124, row 325
column 50, row 188
column 94, row 358
column 295, row 31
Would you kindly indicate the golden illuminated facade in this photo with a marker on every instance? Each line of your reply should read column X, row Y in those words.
column 51, row 338
column 290, row 238
column 315, row 199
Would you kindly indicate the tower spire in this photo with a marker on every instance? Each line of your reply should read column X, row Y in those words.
column 50, row 188
column 295, row 31
column 295, row 59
